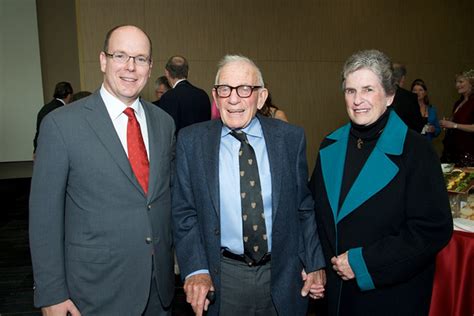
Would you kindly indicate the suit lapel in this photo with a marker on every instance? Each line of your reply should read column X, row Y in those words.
column 332, row 166
column 210, row 150
column 376, row 173
column 275, row 148
column 100, row 122
column 154, row 133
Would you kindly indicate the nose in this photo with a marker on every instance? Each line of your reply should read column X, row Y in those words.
column 234, row 97
column 131, row 63
column 357, row 98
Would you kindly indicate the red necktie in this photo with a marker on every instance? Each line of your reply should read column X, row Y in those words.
column 136, row 150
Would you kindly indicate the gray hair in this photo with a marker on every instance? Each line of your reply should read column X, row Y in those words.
column 238, row 58
column 162, row 80
column 375, row 61
column 399, row 71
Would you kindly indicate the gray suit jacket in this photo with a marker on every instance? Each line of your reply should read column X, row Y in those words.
column 196, row 211
column 92, row 229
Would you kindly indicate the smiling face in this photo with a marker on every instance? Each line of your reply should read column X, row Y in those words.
column 463, row 85
column 237, row 112
column 419, row 91
column 365, row 97
column 126, row 81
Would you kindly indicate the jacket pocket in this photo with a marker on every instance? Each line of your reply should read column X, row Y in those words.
column 88, row 254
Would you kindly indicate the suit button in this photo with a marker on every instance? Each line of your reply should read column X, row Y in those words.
column 216, row 271
column 148, row 240
column 149, row 207
column 217, row 232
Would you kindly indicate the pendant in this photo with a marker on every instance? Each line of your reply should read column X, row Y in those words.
column 360, row 142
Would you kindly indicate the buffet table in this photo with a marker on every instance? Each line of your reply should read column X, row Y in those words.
column 453, row 288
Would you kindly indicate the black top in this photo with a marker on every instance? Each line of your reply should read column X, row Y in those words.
column 362, row 140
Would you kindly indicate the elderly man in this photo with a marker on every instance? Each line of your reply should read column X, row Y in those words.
column 244, row 222
column 100, row 204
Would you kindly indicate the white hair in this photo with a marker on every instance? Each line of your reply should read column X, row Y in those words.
column 238, row 58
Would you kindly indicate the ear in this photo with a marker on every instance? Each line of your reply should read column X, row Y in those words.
column 390, row 99
column 262, row 97
column 149, row 69
column 103, row 61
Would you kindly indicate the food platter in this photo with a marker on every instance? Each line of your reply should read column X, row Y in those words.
column 459, row 181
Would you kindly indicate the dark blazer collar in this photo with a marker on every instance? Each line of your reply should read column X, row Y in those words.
column 376, row 173
column 275, row 147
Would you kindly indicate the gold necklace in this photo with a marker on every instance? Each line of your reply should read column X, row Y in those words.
column 360, row 141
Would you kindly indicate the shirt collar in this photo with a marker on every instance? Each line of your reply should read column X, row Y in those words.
column 254, row 129
column 115, row 107
column 176, row 83
column 61, row 100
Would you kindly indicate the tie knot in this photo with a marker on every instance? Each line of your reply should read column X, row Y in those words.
column 241, row 136
column 129, row 112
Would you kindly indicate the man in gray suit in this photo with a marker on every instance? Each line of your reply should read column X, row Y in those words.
column 100, row 213
column 244, row 221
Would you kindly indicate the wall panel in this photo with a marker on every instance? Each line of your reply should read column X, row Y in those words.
column 300, row 46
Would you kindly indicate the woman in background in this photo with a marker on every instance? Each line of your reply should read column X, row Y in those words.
column 271, row 110
column 431, row 128
column 459, row 139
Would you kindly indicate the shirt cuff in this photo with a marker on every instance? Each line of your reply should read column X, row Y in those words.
column 203, row 271
column 357, row 263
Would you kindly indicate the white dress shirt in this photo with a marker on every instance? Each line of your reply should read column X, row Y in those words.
column 115, row 108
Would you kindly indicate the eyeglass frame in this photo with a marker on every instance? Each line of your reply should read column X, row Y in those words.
column 134, row 58
column 217, row 86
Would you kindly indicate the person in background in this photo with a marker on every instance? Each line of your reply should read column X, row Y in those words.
column 185, row 103
column 431, row 128
column 459, row 138
column 243, row 216
column 380, row 224
column 271, row 110
column 405, row 103
column 62, row 95
column 100, row 203
column 79, row 95
column 214, row 111
column 161, row 87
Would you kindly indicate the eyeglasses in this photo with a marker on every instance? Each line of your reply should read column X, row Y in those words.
column 123, row 58
column 243, row 91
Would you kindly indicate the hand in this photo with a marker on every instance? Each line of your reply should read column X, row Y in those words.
column 196, row 288
column 61, row 309
column 340, row 264
column 446, row 124
column 314, row 283
column 430, row 128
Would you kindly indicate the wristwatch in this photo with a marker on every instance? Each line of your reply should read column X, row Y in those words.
column 455, row 126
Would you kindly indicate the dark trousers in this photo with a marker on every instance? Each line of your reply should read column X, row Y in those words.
column 245, row 290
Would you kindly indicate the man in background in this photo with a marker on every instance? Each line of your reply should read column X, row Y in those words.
column 405, row 102
column 186, row 103
column 100, row 213
column 62, row 95
column 161, row 87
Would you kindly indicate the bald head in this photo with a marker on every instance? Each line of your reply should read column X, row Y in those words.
column 177, row 67
column 122, row 28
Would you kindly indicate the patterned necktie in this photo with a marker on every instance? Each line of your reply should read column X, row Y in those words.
column 253, row 217
column 136, row 150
